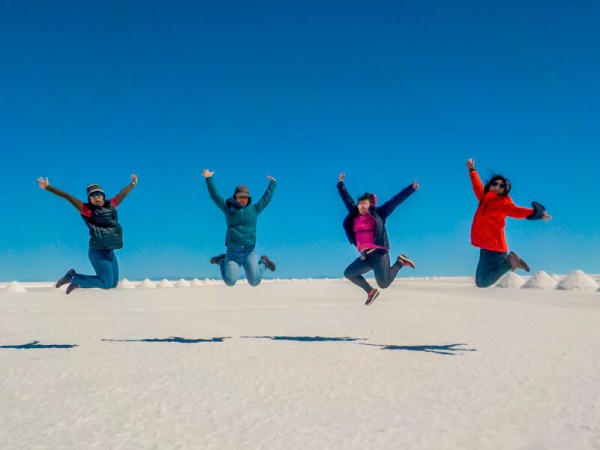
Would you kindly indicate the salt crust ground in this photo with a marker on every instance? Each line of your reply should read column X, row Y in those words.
column 432, row 364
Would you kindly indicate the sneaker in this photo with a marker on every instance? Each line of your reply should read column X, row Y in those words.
column 406, row 261
column 217, row 259
column 66, row 278
column 372, row 296
column 270, row 264
column 516, row 262
column 72, row 287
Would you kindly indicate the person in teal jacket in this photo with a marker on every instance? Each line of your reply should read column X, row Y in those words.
column 240, row 239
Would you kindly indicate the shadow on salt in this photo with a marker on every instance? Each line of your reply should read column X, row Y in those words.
column 172, row 339
column 450, row 349
column 35, row 345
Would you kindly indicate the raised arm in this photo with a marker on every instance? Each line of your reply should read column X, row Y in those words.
column 212, row 190
column 45, row 185
column 127, row 189
column 346, row 197
column 267, row 196
column 388, row 207
column 475, row 180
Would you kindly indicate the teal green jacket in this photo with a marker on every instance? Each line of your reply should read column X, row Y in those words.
column 241, row 220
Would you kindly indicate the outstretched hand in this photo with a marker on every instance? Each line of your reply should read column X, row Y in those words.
column 470, row 164
column 207, row 173
column 270, row 178
column 134, row 179
column 415, row 185
column 341, row 177
column 43, row 183
column 546, row 217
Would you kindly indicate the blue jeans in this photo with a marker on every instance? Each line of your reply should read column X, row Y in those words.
column 237, row 256
column 491, row 266
column 106, row 266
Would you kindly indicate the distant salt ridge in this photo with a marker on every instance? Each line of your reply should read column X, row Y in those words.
column 577, row 281
column 197, row 282
column 15, row 288
column 510, row 280
column 147, row 284
column 165, row 284
column 540, row 280
column 182, row 283
column 126, row 284
column 209, row 282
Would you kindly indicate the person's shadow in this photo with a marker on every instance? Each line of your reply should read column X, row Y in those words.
column 450, row 349
column 173, row 339
column 305, row 338
column 35, row 345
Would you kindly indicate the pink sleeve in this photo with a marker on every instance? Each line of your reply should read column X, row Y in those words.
column 114, row 201
column 85, row 211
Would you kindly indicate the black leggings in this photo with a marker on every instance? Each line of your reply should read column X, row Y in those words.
column 379, row 262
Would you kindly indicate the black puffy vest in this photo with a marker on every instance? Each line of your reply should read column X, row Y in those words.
column 105, row 231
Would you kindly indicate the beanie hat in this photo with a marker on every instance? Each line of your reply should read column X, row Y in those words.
column 94, row 188
column 241, row 191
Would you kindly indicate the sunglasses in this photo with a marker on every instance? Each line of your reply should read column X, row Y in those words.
column 96, row 194
column 498, row 183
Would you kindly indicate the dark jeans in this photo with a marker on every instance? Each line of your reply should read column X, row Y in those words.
column 106, row 266
column 379, row 262
column 492, row 265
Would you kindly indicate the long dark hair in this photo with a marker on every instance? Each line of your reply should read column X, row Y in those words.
column 498, row 177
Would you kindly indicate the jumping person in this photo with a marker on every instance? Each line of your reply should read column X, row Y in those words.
column 106, row 235
column 365, row 228
column 240, row 240
column 487, row 230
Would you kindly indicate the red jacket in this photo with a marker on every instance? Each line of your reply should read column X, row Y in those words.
column 487, row 231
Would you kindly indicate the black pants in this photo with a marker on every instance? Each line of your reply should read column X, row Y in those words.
column 492, row 265
column 379, row 262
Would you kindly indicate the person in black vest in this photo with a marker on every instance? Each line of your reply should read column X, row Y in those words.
column 106, row 235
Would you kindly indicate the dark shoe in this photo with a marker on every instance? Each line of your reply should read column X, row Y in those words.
column 516, row 262
column 67, row 277
column 270, row 264
column 217, row 259
column 406, row 261
column 372, row 296
column 72, row 287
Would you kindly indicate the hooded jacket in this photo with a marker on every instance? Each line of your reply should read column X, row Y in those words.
column 487, row 230
column 379, row 213
column 241, row 220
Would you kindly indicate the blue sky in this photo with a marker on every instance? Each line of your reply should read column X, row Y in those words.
column 387, row 91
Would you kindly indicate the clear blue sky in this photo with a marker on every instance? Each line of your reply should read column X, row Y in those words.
column 387, row 91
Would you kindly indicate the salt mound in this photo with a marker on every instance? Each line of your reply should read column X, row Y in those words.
column 147, row 284
column 196, row 282
column 15, row 288
column 126, row 284
column 182, row 283
column 208, row 282
column 510, row 280
column 577, row 281
column 165, row 284
column 242, row 281
column 540, row 280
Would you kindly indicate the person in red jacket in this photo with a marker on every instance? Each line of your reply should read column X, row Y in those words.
column 487, row 231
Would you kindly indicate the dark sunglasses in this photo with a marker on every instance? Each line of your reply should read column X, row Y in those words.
column 498, row 183
column 96, row 194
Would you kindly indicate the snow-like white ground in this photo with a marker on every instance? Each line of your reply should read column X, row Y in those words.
column 432, row 364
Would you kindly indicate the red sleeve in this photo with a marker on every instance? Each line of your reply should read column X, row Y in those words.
column 85, row 211
column 477, row 184
column 516, row 212
column 114, row 201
